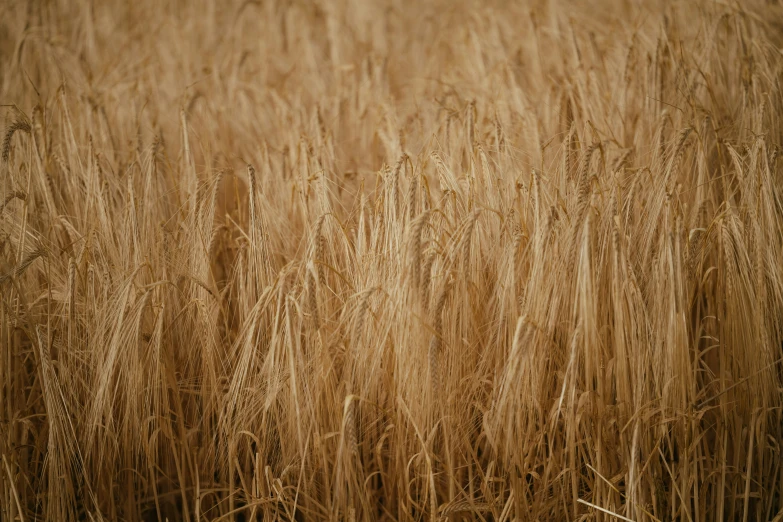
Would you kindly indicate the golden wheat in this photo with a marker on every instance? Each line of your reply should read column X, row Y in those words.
column 391, row 260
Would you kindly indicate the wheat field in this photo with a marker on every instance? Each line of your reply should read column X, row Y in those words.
column 389, row 260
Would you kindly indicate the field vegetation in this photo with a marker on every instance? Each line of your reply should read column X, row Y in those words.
column 391, row 260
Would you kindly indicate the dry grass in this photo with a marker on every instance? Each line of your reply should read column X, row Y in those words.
column 377, row 260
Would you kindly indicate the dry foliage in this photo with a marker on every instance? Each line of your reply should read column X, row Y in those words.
column 391, row 260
